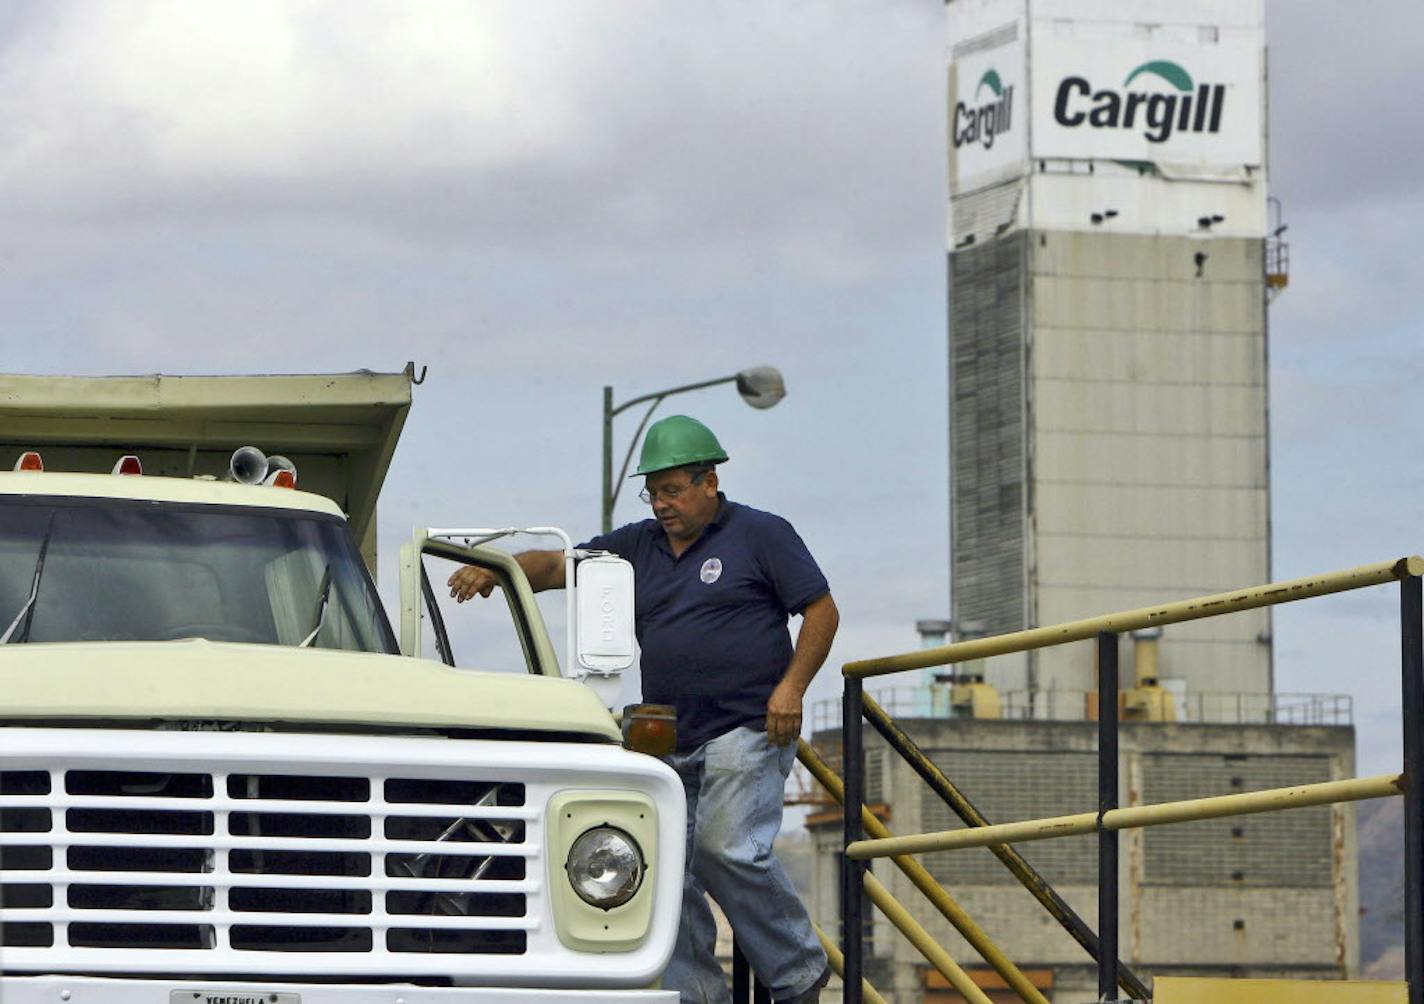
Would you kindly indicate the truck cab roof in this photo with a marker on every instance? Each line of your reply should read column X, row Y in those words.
column 198, row 491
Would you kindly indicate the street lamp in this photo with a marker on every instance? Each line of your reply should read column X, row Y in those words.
column 761, row 387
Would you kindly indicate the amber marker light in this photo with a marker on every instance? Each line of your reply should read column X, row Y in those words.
column 284, row 479
column 650, row 728
column 29, row 461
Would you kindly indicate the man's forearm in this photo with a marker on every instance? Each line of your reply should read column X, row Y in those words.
column 543, row 569
column 813, row 642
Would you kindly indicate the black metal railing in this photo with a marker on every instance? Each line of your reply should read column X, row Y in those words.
column 746, row 988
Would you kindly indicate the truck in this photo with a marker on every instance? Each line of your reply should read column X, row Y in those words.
column 225, row 779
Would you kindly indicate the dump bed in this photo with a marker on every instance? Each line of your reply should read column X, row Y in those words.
column 340, row 430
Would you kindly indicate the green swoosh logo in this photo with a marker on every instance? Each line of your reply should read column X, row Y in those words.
column 1170, row 72
column 991, row 80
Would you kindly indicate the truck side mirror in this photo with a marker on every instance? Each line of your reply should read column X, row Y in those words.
column 606, row 647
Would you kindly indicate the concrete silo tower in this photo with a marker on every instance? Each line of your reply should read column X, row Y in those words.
column 1108, row 277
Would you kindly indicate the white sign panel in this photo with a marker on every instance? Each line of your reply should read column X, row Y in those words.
column 1147, row 101
column 988, row 120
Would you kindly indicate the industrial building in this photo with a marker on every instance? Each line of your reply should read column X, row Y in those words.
column 1112, row 253
column 1269, row 896
column 1108, row 289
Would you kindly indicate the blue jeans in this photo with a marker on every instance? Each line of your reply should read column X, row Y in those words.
column 734, row 787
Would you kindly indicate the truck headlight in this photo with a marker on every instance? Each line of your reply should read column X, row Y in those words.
column 605, row 867
column 605, row 842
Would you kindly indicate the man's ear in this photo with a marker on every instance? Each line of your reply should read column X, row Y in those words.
column 711, row 480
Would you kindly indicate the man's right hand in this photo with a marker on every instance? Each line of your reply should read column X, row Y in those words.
column 468, row 581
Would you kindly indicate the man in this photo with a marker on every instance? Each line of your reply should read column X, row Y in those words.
column 716, row 582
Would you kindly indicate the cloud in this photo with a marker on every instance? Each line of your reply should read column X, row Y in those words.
column 217, row 94
column 223, row 186
column 511, row 121
column 1350, row 285
column 1343, row 102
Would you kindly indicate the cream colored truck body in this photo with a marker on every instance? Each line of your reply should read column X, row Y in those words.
column 222, row 820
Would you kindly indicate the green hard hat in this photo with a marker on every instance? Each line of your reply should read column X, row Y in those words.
column 678, row 440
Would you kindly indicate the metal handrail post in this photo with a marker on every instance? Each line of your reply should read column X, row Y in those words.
column 747, row 987
column 1411, row 632
column 741, row 975
column 1107, row 801
column 852, row 872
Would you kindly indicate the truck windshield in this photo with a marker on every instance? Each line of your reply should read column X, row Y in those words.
column 115, row 570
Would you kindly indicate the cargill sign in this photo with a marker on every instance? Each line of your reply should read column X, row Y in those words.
column 990, row 114
column 1136, row 101
column 1181, row 106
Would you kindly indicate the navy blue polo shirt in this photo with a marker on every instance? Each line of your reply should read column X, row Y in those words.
column 712, row 624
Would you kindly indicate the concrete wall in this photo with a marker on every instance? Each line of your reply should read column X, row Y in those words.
column 1148, row 470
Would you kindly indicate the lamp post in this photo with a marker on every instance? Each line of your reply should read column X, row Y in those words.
column 761, row 387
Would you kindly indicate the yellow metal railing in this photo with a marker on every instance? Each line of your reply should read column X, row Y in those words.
column 1135, row 817
column 936, row 894
column 1145, row 617
column 1109, row 818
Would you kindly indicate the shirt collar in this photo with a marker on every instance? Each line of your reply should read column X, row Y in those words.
column 723, row 513
column 725, row 508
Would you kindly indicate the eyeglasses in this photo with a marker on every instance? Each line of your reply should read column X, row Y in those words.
column 651, row 495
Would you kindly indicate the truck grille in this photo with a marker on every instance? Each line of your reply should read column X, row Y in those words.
column 106, row 859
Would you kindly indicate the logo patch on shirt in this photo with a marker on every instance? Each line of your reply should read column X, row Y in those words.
column 711, row 570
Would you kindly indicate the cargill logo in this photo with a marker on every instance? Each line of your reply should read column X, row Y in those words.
column 991, row 114
column 1182, row 106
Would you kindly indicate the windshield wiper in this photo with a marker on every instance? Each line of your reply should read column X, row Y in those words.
column 27, row 612
column 321, row 605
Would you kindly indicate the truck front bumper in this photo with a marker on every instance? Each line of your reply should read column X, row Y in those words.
column 85, row 990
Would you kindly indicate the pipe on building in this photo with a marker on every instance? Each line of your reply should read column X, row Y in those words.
column 1215, row 807
column 1144, row 656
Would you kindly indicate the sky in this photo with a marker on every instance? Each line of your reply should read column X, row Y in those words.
column 538, row 198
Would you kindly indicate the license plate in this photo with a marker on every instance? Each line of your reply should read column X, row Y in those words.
column 231, row 997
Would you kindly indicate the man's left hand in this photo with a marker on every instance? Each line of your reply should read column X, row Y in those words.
column 783, row 715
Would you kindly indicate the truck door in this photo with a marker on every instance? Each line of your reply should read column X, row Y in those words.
column 503, row 633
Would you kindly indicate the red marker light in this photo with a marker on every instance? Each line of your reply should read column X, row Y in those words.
column 128, row 465
column 29, row 461
column 284, row 479
column 650, row 728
